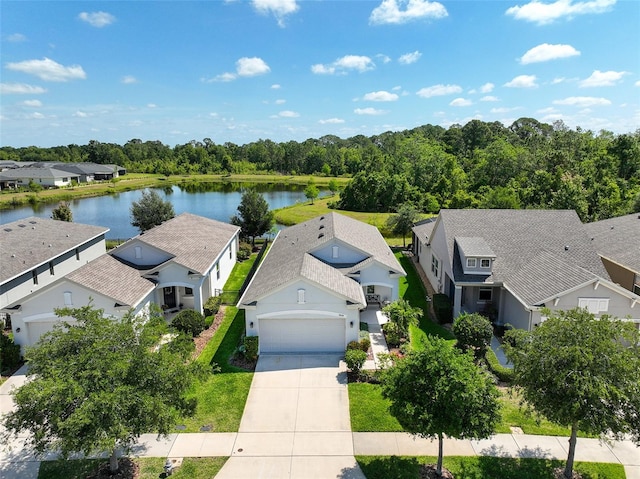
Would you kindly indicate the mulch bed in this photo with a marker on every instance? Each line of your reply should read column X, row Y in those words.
column 242, row 363
column 204, row 337
column 127, row 469
column 428, row 471
column 558, row 473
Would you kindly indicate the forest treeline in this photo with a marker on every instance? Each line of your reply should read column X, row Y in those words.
column 528, row 164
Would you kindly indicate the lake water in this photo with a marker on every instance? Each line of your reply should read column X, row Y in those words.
column 213, row 200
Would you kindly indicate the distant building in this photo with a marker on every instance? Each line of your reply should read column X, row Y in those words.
column 45, row 177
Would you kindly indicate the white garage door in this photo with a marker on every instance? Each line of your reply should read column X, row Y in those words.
column 37, row 329
column 302, row 335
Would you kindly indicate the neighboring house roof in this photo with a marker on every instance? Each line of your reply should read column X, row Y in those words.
column 617, row 239
column 538, row 253
column 85, row 168
column 114, row 279
column 291, row 257
column 30, row 242
column 423, row 229
column 474, row 246
column 29, row 172
column 194, row 242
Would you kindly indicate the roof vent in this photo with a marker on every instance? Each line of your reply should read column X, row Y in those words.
column 320, row 235
column 33, row 222
column 321, row 227
column 22, row 226
column 566, row 247
column 8, row 230
column 321, row 218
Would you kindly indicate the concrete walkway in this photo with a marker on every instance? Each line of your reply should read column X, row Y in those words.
column 375, row 319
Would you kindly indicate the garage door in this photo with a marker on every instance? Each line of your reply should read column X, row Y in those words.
column 37, row 329
column 302, row 335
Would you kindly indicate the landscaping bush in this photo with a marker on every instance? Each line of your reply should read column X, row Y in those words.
column 503, row 374
column 355, row 359
column 244, row 251
column 190, row 322
column 403, row 314
column 182, row 345
column 474, row 332
column 442, row 308
column 9, row 352
column 392, row 334
column 212, row 306
column 365, row 344
column 353, row 345
column 251, row 344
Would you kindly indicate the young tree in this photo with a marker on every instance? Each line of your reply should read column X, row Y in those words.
column 403, row 314
column 99, row 384
column 333, row 186
column 581, row 372
column 254, row 218
column 402, row 222
column 62, row 212
column 474, row 332
column 311, row 192
column 440, row 391
column 150, row 210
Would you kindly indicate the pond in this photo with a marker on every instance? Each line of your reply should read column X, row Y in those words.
column 218, row 201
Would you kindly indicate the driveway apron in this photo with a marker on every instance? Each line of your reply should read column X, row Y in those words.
column 295, row 423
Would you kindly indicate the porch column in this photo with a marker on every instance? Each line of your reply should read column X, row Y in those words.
column 457, row 301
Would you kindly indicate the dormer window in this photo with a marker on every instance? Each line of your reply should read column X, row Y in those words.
column 485, row 263
column 301, row 298
column 335, row 252
column 138, row 252
column 471, row 262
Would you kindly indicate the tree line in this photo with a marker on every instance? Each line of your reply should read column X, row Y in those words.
column 528, row 164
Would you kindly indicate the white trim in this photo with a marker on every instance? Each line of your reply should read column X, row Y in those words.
column 301, row 313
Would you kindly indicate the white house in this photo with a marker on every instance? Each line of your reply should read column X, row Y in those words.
column 307, row 294
column 510, row 264
column 45, row 177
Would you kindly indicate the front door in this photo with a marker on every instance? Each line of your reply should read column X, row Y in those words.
column 169, row 297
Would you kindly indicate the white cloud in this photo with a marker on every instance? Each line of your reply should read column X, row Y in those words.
column 275, row 86
column 380, row 96
column 97, row 19
column 279, row 8
column 549, row 109
column 504, row 110
column 599, row 78
column 48, row 70
column 368, row 111
column 331, row 121
column 248, row 67
column 35, row 116
column 20, row 89
column 522, row 81
column 152, row 105
column 280, row 101
column 438, row 90
column 403, row 11
column 288, row 114
column 460, row 102
column 489, row 98
column 16, row 38
column 32, row 103
column 637, row 83
column 583, row 101
column 487, row 88
column 383, row 58
column 128, row 79
column 224, row 77
column 409, row 58
column 343, row 65
column 544, row 13
column 80, row 114
column 545, row 52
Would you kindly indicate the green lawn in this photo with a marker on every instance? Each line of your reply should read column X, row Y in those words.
column 393, row 467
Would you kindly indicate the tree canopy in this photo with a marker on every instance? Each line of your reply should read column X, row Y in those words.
column 62, row 212
column 473, row 332
column 254, row 217
column 402, row 221
column 150, row 210
column 582, row 372
column 97, row 384
column 440, row 391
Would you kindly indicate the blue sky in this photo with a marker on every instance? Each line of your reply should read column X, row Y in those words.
column 238, row 71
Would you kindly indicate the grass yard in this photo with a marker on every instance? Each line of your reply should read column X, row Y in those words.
column 150, row 468
column 393, row 467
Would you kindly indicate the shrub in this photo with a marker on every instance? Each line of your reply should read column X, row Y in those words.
column 474, row 332
column 355, row 359
column 392, row 334
column 353, row 345
column 403, row 314
column 212, row 306
column 182, row 345
column 442, row 308
column 190, row 322
column 365, row 344
column 502, row 373
column 244, row 251
column 9, row 352
column 251, row 345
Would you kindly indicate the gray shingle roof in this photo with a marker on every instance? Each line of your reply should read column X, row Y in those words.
column 550, row 244
column 194, row 241
column 474, row 246
column 291, row 256
column 29, row 172
column 618, row 239
column 30, row 242
column 114, row 279
column 84, row 168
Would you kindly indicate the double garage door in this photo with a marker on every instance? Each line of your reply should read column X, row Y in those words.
column 307, row 335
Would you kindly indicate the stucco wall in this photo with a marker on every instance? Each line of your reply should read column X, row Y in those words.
column 150, row 256
column 619, row 305
column 346, row 254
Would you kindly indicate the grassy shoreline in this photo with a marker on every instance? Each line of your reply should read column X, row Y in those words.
column 136, row 181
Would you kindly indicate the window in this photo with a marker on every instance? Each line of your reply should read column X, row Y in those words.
column 301, row 298
column 594, row 305
column 471, row 262
column 230, row 252
column 334, row 252
column 485, row 294
column 217, row 270
column 435, row 266
column 485, row 263
column 188, row 291
column 371, row 289
column 67, row 298
column 51, row 270
column 34, row 275
column 636, row 284
column 138, row 251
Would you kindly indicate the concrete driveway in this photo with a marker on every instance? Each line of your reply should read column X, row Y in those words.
column 296, row 422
